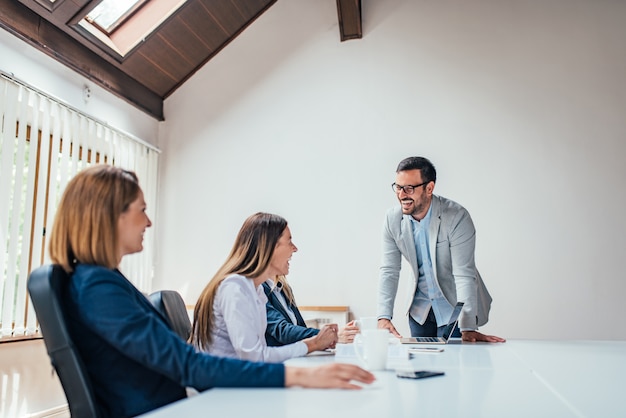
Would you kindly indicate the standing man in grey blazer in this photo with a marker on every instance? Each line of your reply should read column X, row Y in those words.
column 437, row 238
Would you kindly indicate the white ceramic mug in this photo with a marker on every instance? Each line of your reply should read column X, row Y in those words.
column 371, row 347
column 367, row 322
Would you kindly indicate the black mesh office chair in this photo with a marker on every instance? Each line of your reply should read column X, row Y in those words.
column 45, row 285
column 172, row 306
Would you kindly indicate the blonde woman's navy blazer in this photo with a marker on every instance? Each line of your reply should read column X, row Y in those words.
column 280, row 330
column 135, row 362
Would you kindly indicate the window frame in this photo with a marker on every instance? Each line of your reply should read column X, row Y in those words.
column 43, row 144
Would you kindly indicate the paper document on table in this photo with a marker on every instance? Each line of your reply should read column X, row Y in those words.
column 395, row 351
column 398, row 351
column 397, row 354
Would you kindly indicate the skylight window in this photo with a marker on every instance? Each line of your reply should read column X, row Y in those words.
column 110, row 14
column 118, row 26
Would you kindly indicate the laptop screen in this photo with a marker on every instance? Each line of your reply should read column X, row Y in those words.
column 453, row 320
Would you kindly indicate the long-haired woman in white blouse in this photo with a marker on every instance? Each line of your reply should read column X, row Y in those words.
column 230, row 315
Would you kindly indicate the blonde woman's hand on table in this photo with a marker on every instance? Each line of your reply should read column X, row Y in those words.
column 335, row 375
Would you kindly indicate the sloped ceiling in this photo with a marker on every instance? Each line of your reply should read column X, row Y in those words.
column 163, row 61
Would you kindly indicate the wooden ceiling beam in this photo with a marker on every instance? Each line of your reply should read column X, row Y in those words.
column 350, row 23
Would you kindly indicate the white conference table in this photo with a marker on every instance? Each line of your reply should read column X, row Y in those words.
column 519, row 378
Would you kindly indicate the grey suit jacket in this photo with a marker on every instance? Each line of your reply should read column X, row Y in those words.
column 452, row 240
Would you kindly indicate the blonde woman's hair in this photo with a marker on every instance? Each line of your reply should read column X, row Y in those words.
column 250, row 257
column 85, row 225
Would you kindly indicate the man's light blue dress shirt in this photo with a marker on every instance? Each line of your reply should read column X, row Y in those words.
column 428, row 293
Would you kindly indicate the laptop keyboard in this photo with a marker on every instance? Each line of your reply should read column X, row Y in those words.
column 428, row 339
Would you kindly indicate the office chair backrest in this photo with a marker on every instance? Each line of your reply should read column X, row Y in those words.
column 172, row 306
column 45, row 286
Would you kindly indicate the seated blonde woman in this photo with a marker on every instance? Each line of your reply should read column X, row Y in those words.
column 230, row 315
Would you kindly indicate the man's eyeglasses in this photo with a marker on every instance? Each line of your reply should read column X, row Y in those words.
column 407, row 189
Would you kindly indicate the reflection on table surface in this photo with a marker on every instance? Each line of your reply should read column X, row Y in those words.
column 519, row 378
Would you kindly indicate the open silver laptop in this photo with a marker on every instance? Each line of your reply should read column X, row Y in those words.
column 454, row 318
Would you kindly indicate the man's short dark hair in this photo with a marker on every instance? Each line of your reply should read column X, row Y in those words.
column 419, row 163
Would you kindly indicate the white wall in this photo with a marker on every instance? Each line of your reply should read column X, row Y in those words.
column 42, row 72
column 520, row 105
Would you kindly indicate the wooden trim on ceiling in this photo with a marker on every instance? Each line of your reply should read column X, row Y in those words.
column 350, row 22
column 47, row 38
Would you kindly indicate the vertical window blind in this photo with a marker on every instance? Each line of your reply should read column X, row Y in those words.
column 43, row 143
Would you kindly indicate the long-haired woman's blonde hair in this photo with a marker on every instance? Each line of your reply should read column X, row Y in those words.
column 85, row 225
column 250, row 257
